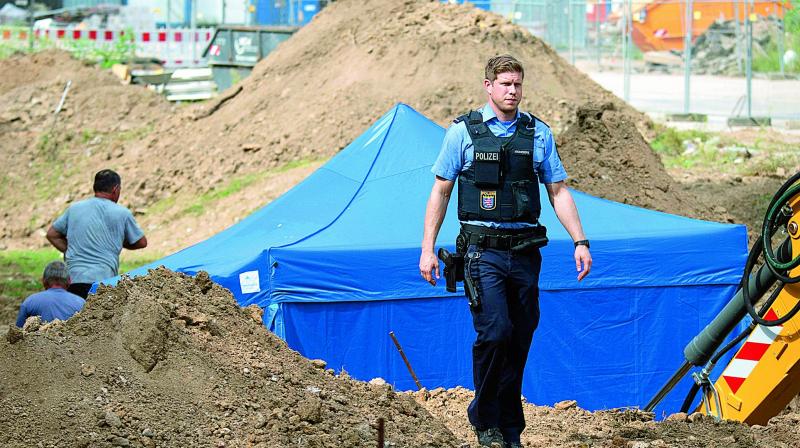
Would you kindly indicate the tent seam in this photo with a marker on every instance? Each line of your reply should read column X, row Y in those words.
column 360, row 187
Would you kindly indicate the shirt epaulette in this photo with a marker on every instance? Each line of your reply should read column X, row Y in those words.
column 471, row 117
column 535, row 118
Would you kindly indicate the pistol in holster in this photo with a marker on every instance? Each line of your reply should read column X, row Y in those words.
column 453, row 268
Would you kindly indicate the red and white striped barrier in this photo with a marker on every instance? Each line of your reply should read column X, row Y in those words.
column 176, row 47
column 751, row 352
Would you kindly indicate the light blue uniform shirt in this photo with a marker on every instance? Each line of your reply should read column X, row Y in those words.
column 96, row 229
column 52, row 304
column 457, row 154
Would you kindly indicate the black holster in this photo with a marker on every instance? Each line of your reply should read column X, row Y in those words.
column 453, row 263
column 453, row 268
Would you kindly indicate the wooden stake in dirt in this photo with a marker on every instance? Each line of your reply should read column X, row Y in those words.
column 408, row 364
column 58, row 108
column 381, row 432
column 63, row 98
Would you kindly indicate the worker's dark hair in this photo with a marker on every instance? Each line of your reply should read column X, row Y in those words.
column 106, row 180
column 503, row 64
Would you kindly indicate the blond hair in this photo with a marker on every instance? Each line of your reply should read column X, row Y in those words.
column 503, row 64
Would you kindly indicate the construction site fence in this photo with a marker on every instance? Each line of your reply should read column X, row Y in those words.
column 599, row 30
column 596, row 35
column 174, row 47
column 634, row 43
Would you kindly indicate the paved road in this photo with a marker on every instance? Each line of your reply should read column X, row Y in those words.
column 715, row 96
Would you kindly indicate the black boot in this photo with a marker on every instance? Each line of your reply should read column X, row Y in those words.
column 490, row 437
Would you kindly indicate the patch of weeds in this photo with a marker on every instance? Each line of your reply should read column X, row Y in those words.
column 87, row 135
column 128, row 261
column 103, row 54
column 8, row 50
column 694, row 149
column 134, row 134
column 45, row 142
column 236, row 185
column 21, row 270
column 194, row 209
column 292, row 165
column 28, row 262
column 672, row 142
column 161, row 206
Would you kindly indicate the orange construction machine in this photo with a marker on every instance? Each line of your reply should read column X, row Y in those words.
column 659, row 25
column 764, row 375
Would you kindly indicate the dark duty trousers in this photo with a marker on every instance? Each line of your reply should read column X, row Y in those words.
column 505, row 321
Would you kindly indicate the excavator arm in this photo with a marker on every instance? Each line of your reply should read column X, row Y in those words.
column 764, row 375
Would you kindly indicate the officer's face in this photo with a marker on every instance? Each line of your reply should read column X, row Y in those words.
column 505, row 91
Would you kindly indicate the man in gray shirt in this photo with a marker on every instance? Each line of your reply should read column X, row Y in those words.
column 93, row 232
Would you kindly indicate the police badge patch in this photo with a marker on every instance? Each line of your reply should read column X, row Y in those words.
column 488, row 200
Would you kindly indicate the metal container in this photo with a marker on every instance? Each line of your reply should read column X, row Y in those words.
column 234, row 50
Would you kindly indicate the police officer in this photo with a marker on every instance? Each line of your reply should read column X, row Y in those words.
column 500, row 156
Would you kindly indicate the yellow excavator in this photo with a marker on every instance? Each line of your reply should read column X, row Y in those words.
column 764, row 374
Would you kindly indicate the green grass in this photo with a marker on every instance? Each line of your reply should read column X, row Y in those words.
column 101, row 53
column 21, row 270
column 133, row 134
column 161, row 206
column 198, row 206
column 696, row 149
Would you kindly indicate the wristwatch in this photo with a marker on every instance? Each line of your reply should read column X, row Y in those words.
column 582, row 243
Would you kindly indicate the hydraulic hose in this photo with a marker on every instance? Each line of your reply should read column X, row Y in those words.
column 776, row 263
column 687, row 402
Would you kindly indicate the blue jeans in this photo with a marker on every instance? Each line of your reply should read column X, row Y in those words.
column 508, row 285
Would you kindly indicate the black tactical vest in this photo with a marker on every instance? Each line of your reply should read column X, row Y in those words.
column 501, row 184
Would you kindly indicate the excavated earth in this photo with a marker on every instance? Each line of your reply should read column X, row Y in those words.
column 170, row 360
column 567, row 425
column 49, row 159
column 306, row 100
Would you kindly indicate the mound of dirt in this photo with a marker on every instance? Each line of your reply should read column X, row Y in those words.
column 49, row 161
column 567, row 425
column 308, row 99
column 323, row 87
column 607, row 157
column 171, row 360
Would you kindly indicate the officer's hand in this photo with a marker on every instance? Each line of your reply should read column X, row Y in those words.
column 428, row 267
column 583, row 261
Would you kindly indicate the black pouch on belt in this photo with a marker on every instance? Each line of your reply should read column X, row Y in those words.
column 527, row 244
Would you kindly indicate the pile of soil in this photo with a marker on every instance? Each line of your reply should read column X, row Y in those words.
column 50, row 160
column 607, row 157
column 323, row 87
column 567, row 425
column 349, row 66
column 172, row 360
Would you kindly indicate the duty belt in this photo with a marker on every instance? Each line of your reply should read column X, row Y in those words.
column 503, row 239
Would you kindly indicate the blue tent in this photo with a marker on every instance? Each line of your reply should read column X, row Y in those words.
column 334, row 263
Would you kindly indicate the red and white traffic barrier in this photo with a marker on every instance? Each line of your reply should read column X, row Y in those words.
column 174, row 47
